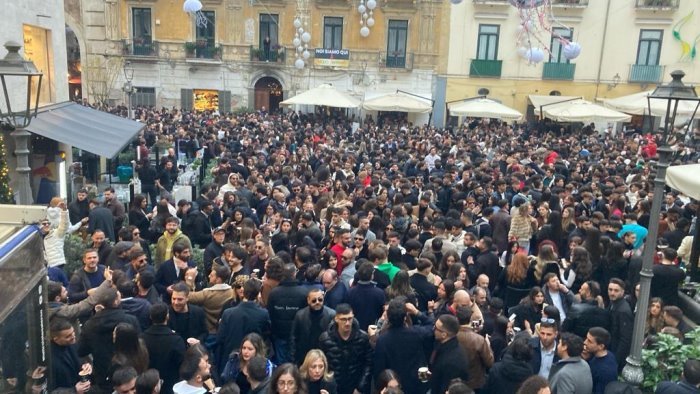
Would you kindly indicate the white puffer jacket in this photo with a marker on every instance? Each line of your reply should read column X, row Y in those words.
column 55, row 238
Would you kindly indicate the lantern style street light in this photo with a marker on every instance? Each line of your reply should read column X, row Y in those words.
column 128, row 88
column 20, row 82
column 674, row 92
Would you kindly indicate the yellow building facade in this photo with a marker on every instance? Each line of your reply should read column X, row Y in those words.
column 628, row 46
column 229, row 64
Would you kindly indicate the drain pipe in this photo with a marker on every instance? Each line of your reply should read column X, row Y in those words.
column 602, row 48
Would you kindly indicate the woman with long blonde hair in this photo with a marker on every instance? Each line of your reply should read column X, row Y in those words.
column 522, row 226
column 546, row 261
column 316, row 374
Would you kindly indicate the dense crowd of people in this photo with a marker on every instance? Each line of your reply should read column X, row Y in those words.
column 349, row 256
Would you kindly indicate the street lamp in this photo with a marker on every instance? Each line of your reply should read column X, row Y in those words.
column 128, row 87
column 674, row 92
column 17, row 113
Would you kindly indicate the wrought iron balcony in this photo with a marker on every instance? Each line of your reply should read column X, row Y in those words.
column 400, row 60
column 645, row 74
column 485, row 68
column 658, row 4
column 272, row 55
column 141, row 46
column 570, row 3
column 203, row 49
column 561, row 71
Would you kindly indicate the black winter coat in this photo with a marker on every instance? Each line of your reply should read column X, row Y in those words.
column 506, row 375
column 96, row 339
column 351, row 360
column 284, row 302
column 165, row 351
column 450, row 362
column 300, row 341
column 582, row 316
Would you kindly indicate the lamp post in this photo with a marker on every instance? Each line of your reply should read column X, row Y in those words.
column 674, row 92
column 20, row 81
column 128, row 88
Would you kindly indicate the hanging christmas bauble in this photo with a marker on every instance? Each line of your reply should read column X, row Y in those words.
column 364, row 31
column 370, row 21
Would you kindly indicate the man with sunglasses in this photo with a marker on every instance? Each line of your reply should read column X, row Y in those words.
column 309, row 323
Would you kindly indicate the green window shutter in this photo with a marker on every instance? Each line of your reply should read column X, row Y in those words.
column 186, row 99
column 224, row 102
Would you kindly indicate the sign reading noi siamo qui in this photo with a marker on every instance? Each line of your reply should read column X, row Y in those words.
column 332, row 57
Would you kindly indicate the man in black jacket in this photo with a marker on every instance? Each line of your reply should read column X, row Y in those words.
column 214, row 249
column 187, row 320
column 201, row 225
column 165, row 348
column 309, row 323
column 65, row 364
column 283, row 303
column 586, row 314
column 348, row 351
column 425, row 291
column 449, row 360
column 96, row 337
column 622, row 320
column 237, row 322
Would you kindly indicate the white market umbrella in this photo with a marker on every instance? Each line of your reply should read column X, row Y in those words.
column 582, row 111
column 685, row 179
column 398, row 102
column 323, row 95
column 636, row 104
column 483, row 107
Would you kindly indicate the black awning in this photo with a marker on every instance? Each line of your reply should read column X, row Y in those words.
column 85, row 128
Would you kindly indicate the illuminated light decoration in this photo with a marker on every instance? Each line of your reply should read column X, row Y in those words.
column 370, row 21
column 296, row 42
column 306, row 37
column 299, row 63
column 194, row 8
column 297, row 23
column 371, row 4
column 534, row 55
column 364, row 31
column 306, row 54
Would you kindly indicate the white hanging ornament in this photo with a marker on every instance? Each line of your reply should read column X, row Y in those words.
column 361, row 9
column 306, row 36
column 305, row 54
column 192, row 6
column 297, row 23
column 300, row 48
column 370, row 21
column 572, row 50
column 522, row 52
column 364, row 31
column 371, row 4
column 300, row 30
column 299, row 63
column 296, row 42
column 534, row 55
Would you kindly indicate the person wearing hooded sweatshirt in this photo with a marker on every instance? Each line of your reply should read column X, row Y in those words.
column 164, row 247
column 506, row 375
column 96, row 337
column 55, row 228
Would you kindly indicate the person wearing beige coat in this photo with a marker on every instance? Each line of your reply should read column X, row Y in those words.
column 213, row 298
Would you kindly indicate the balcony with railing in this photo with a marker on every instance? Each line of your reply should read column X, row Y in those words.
column 570, row 3
column 645, row 74
column 485, row 68
column 658, row 4
column 396, row 60
column 202, row 49
column 272, row 55
column 141, row 46
column 560, row 71
column 492, row 2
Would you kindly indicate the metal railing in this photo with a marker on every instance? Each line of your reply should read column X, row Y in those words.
column 571, row 3
column 645, row 74
column 141, row 47
column 485, row 68
column 658, row 4
column 396, row 60
column 271, row 55
column 561, row 71
column 202, row 50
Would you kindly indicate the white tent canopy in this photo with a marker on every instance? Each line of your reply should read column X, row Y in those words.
column 685, row 179
column 538, row 101
column 580, row 110
column 399, row 102
column 483, row 107
column 326, row 95
column 637, row 104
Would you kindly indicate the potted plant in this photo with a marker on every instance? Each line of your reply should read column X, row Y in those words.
column 217, row 51
column 664, row 357
column 201, row 43
column 190, row 47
